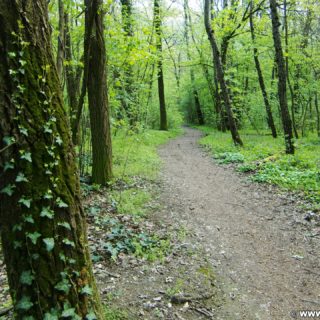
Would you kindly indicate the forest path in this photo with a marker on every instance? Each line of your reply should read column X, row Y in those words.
column 256, row 238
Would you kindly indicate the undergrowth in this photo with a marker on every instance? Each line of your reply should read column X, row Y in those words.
column 136, row 164
column 264, row 157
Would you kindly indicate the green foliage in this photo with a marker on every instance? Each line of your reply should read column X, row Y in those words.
column 125, row 240
column 115, row 314
column 136, row 154
column 263, row 156
column 132, row 201
column 229, row 157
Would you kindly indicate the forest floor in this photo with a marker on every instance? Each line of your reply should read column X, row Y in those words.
column 222, row 246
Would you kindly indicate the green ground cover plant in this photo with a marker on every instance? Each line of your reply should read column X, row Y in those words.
column 264, row 157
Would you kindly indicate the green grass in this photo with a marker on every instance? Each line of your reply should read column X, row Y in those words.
column 115, row 314
column 136, row 155
column 132, row 201
column 265, row 158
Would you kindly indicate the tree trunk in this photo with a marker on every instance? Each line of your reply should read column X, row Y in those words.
column 220, row 75
column 292, row 91
column 73, row 78
column 61, row 41
column 282, row 87
column 261, row 80
column 158, row 29
column 97, row 95
column 43, row 225
column 128, row 85
column 192, row 77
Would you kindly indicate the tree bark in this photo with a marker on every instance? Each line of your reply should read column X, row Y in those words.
column 161, row 93
column 73, row 78
column 261, row 80
column 292, row 91
column 282, row 87
column 61, row 41
column 220, row 75
column 128, row 85
column 43, row 225
column 97, row 94
column 192, row 76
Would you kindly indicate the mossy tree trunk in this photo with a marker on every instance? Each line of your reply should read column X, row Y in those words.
column 61, row 41
column 158, row 28
column 220, row 75
column 97, row 94
column 43, row 225
column 282, row 79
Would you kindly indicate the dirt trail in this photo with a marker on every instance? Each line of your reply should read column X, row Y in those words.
column 266, row 262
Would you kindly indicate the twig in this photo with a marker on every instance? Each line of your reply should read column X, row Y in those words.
column 7, row 147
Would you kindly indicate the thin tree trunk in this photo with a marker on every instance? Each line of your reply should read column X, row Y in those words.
column 292, row 92
column 61, row 41
column 220, row 75
column 158, row 29
column 192, row 77
column 43, row 226
column 73, row 76
column 282, row 88
column 128, row 85
column 97, row 96
column 261, row 80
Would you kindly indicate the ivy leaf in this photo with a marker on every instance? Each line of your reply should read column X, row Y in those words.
column 21, row 177
column 61, row 204
column 26, row 156
column 17, row 244
column 24, row 304
column 8, row 140
column 48, row 195
column 64, row 225
column 50, row 316
column 47, row 128
column 8, row 165
column 59, row 141
column 47, row 213
column 26, row 277
column 86, row 290
column 26, row 202
column 29, row 219
column 91, row 316
column 34, row 237
column 8, row 190
column 63, row 286
column 70, row 313
column 68, row 242
column 49, row 242
column 12, row 54
column 23, row 131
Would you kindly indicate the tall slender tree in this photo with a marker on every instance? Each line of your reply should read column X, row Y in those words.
column 158, row 28
column 128, row 91
column 282, row 79
column 43, row 228
column 97, row 93
column 261, row 79
column 192, row 76
column 220, row 74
